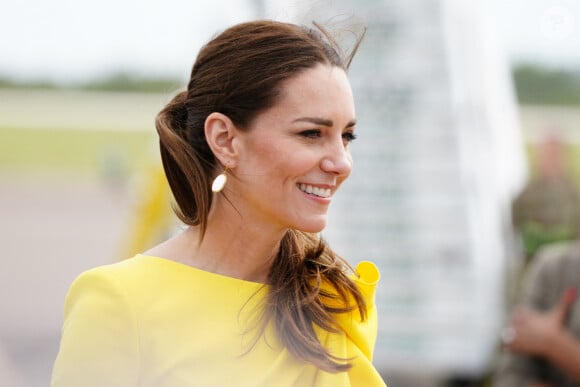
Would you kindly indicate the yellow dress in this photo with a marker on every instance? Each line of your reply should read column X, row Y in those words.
column 149, row 321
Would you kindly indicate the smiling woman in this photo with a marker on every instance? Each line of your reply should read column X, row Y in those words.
column 301, row 140
column 248, row 291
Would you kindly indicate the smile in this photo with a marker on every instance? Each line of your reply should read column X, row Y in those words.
column 316, row 191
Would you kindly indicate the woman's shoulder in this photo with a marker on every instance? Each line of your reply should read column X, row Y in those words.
column 134, row 284
column 123, row 270
column 147, row 276
column 133, row 275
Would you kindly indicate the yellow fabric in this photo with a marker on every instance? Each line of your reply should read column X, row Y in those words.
column 149, row 321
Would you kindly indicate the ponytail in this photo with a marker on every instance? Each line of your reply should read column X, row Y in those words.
column 298, row 300
column 186, row 172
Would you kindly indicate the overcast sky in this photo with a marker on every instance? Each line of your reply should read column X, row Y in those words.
column 539, row 30
column 76, row 39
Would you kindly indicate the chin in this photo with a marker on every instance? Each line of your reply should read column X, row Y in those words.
column 311, row 227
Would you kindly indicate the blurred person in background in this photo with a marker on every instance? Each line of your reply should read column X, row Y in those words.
column 542, row 340
column 249, row 293
column 548, row 208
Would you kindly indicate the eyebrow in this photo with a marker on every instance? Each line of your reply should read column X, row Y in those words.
column 323, row 121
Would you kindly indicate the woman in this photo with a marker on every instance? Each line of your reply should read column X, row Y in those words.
column 248, row 294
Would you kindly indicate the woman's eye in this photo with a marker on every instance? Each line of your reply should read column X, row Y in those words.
column 311, row 133
column 349, row 136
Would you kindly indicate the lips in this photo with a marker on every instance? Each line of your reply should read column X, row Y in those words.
column 316, row 191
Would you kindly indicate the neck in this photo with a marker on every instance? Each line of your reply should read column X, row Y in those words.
column 233, row 245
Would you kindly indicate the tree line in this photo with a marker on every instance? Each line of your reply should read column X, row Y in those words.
column 546, row 86
column 534, row 84
column 122, row 82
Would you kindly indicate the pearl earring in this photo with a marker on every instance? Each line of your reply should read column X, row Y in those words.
column 219, row 182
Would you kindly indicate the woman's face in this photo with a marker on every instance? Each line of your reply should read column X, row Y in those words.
column 295, row 155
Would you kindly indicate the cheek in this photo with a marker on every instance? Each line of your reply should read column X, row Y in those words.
column 278, row 158
column 264, row 159
column 297, row 160
column 266, row 155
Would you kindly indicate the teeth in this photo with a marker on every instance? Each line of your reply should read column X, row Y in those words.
column 322, row 192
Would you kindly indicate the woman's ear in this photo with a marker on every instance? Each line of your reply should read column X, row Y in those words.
column 220, row 133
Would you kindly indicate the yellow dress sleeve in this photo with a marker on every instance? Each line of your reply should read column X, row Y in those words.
column 99, row 344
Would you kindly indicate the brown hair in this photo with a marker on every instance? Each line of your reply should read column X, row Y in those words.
column 238, row 74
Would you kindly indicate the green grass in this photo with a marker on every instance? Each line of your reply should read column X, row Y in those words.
column 44, row 150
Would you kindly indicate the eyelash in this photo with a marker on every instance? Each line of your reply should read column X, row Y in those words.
column 311, row 133
column 349, row 136
column 315, row 133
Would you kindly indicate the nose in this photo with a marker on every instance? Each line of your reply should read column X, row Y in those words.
column 337, row 160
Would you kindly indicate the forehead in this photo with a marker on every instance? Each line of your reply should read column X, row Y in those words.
column 317, row 80
column 321, row 90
